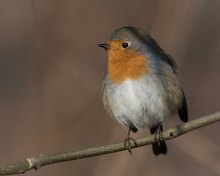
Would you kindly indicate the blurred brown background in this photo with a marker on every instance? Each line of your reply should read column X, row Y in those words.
column 50, row 79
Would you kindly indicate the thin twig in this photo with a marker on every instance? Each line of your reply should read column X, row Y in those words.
column 46, row 159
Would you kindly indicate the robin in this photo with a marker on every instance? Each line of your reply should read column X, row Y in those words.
column 141, row 87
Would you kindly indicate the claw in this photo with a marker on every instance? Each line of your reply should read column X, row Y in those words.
column 158, row 134
column 128, row 142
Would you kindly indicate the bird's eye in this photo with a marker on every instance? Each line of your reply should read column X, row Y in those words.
column 125, row 45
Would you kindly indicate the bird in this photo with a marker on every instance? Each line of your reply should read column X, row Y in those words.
column 141, row 88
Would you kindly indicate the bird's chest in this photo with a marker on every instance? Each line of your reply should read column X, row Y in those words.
column 137, row 101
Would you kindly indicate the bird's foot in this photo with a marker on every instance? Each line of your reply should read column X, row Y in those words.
column 128, row 143
column 158, row 135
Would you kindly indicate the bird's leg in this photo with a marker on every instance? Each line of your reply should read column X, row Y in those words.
column 128, row 140
column 158, row 133
column 159, row 145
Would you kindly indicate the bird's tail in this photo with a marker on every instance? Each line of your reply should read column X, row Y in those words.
column 160, row 146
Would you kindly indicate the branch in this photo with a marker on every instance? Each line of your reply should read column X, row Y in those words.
column 46, row 159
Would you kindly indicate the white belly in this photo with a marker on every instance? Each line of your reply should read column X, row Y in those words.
column 140, row 102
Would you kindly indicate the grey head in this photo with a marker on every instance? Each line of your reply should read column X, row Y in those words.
column 142, row 42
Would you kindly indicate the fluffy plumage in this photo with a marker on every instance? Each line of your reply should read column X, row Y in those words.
column 141, row 87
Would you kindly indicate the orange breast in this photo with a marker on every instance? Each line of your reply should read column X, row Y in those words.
column 126, row 64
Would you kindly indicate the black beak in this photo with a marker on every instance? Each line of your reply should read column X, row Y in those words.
column 104, row 45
